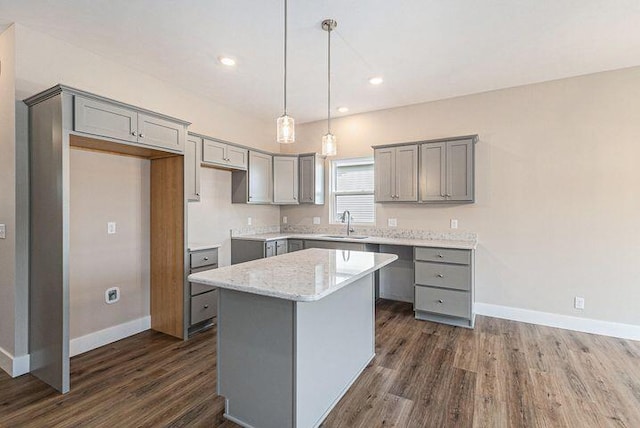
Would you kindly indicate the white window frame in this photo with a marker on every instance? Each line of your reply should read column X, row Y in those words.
column 332, row 187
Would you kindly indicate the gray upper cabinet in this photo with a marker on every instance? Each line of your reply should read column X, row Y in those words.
column 158, row 132
column 396, row 174
column 260, row 178
column 447, row 171
column 113, row 120
column 311, row 179
column 218, row 153
column 285, row 180
column 192, row 168
column 105, row 119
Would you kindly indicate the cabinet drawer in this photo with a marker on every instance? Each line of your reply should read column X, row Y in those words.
column 204, row 306
column 444, row 255
column 204, row 258
column 443, row 275
column 446, row 302
column 200, row 288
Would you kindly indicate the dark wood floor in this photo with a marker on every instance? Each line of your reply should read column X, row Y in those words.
column 502, row 374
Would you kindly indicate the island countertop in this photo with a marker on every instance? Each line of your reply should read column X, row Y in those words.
column 303, row 276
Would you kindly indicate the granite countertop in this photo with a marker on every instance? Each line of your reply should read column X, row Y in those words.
column 437, row 243
column 198, row 246
column 303, row 276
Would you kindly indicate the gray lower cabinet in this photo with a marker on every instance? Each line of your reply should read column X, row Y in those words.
column 447, row 171
column 192, row 161
column 105, row 118
column 396, row 174
column 203, row 299
column 224, row 155
column 244, row 250
column 285, row 180
column 311, row 179
column 295, row 245
column 444, row 285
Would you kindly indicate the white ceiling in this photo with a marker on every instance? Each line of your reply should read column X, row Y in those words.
column 425, row 49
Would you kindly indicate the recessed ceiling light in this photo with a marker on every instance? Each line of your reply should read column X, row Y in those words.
column 225, row 60
column 376, row 80
column 343, row 109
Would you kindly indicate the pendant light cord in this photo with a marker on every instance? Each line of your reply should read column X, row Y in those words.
column 329, row 80
column 285, row 57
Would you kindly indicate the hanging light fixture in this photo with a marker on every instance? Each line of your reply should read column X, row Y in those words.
column 329, row 144
column 286, row 131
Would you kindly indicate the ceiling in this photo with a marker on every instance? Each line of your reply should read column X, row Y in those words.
column 425, row 49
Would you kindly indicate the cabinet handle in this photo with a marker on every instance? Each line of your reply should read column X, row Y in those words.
column 207, row 306
column 133, row 133
column 440, row 275
column 197, row 194
column 295, row 198
column 448, row 195
column 440, row 301
column 250, row 196
column 440, row 255
column 141, row 135
column 206, row 259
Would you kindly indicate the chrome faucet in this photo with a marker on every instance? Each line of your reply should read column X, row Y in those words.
column 346, row 216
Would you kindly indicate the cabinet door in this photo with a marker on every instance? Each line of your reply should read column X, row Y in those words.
column 260, row 178
column 285, row 180
column 270, row 249
column 281, row 247
column 294, row 245
column 307, row 182
column 406, row 174
column 385, row 160
column 192, row 168
column 104, row 119
column 158, row 132
column 237, row 157
column 214, row 152
column 433, row 172
column 460, row 170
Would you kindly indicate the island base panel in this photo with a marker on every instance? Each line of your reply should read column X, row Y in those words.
column 286, row 364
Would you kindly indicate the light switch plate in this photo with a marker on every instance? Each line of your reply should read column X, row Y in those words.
column 3, row 231
column 454, row 223
column 316, row 220
column 393, row 222
column 111, row 227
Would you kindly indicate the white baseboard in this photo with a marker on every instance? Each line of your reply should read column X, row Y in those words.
column 567, row 322
column 86, row 343
column 14, row 366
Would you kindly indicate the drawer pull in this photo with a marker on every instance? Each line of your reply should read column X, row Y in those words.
column 440, row 301
column 440, row 256
column 207, row 306
column 440, row 275
column 206, row 259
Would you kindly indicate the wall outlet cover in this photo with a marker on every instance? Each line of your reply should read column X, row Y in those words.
column 111, row 227
column 285, row 219
column 249, row 221
column 393, row 222
column 112, row 295
column 316, row 220
column 3, row 231
column 454, row 223
column 578, row 302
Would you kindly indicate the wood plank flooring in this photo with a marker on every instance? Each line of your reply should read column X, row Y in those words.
column 502, row 374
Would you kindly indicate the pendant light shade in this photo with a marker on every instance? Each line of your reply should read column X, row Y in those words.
column 285, row 125
column 329, row 142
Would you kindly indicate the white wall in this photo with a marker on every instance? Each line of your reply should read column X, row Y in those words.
column 558, row 205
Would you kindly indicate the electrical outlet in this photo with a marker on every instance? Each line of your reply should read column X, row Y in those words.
column 249, row 221
column 316, row 220
column 285, row 219
column 3, row 231
column 454, row 223
column 578, row 303
column 112, row 295
column 111, row 228
column 393, row 222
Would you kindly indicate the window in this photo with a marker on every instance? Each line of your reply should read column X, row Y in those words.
column 352, row 189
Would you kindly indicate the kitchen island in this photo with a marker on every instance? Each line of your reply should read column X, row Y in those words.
column 294, row 332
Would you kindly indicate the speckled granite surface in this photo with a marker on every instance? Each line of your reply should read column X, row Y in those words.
column 303, row 276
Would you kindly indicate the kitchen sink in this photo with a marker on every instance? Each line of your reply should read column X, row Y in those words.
column 345, row 236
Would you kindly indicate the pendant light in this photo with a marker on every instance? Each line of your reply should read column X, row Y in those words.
column 285, row 125
column 329, row 143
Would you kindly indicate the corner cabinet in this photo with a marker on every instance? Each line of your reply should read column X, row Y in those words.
column 285, row 180
column 254, row 186
column 396, row 174
column 311, row 179
column 447, row 171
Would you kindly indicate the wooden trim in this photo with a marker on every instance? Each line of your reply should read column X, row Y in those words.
column 122, row 149
column 167, row 245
